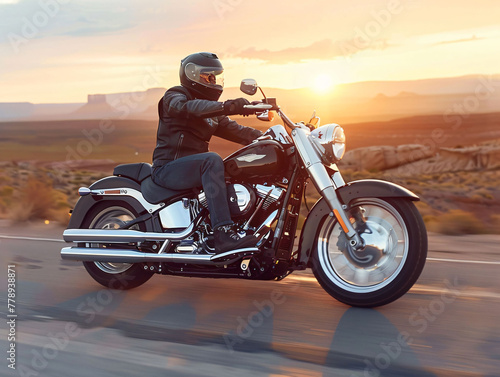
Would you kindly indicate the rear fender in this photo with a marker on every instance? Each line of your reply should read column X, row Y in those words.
column 369, row 188
column 86, row 203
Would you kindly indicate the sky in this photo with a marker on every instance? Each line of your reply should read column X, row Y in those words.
column 59, row 51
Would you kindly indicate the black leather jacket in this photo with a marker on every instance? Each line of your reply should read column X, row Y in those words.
column 187, row 124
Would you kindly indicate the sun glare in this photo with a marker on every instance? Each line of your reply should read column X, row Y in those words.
column 323, row 83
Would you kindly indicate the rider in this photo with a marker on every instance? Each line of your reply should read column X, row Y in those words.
column 189, row 115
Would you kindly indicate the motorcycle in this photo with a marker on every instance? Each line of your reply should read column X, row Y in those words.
column 365, row 241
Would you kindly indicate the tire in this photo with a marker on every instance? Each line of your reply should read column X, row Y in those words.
column 121, row 276
column 378, row 275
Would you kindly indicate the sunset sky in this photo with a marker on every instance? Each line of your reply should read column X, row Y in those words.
column 60, row 51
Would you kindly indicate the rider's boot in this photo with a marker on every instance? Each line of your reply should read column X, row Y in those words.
column 226, row 239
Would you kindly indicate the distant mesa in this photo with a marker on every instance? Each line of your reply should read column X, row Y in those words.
column 12, row 110
column 380, row 96
column 400, row 95
column 349, row 103
column 93, row 99
column 137, row 105
column 96, row 107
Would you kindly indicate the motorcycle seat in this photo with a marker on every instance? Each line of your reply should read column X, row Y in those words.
column 155, row 194
column 137, row 172
column 141, row 173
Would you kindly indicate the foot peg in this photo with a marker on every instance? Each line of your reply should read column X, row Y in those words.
column 234, row 253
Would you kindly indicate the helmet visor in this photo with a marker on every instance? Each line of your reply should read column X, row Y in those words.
column 207, row 76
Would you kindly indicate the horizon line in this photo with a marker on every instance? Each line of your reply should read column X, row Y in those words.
column 470, row 75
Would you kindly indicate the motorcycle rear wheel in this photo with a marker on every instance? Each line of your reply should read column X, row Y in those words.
column 120, row 276
column 397, row 248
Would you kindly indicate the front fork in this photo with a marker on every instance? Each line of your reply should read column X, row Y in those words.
column 327, row 190
column 326, row 186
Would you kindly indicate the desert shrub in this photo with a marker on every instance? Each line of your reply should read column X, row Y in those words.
column 432, row 225
column 35, row 200
column 77, row 180
column 482, row 194
column 6, row 191
column 426, row 178
column 19, row 213
column 60, row 200
column 5, row 179
column 456, row 222
column 426, row 209
column 430, row 219
column 353, row 175
column 448, row 185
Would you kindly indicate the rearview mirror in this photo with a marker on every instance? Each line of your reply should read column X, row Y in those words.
column 315, row 121
column 249, row 86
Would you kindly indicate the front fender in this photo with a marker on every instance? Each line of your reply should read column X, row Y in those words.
column 85, row 203
column 373, row 188
column 367, row 188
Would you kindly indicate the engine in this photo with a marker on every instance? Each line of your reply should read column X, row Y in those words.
column 243, row 198
column 250, row 206
column 270, row 195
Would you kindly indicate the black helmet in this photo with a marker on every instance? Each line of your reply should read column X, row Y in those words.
column 203, row 75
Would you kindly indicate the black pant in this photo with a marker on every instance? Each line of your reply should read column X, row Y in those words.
column 203, row 169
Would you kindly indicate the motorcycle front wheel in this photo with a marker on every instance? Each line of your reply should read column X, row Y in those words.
column 388, row 266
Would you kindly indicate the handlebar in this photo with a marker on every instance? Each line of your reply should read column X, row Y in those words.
column 265, row 106
column 259, row 107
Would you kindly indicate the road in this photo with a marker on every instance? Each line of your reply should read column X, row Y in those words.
column 68, row 325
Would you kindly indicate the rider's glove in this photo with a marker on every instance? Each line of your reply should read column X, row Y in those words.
column 236, row 106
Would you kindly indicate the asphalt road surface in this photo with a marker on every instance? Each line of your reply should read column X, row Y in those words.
column 68, row 325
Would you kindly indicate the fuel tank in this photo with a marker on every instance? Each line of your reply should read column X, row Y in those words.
column 262, row 160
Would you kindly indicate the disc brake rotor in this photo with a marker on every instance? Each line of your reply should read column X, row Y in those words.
column 377, row 241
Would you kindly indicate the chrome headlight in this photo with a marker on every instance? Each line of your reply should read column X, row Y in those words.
column 329, row 142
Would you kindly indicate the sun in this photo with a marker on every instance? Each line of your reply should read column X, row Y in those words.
column 323, row 83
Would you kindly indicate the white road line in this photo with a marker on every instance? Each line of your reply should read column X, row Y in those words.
column 429, row 259
column 31, row 238
column 417, row 288
column 462, row 261
column 465, row 293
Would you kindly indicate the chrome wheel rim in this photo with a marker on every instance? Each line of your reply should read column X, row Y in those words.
column 388, row 243
column 112, row 218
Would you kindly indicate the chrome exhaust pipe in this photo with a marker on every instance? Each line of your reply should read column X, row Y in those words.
column 89, row 254
column 122, row 235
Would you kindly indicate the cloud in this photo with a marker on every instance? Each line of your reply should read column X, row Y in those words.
column 76, row 18
column 91, row 19
column 325, row 49
column 85, row 27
